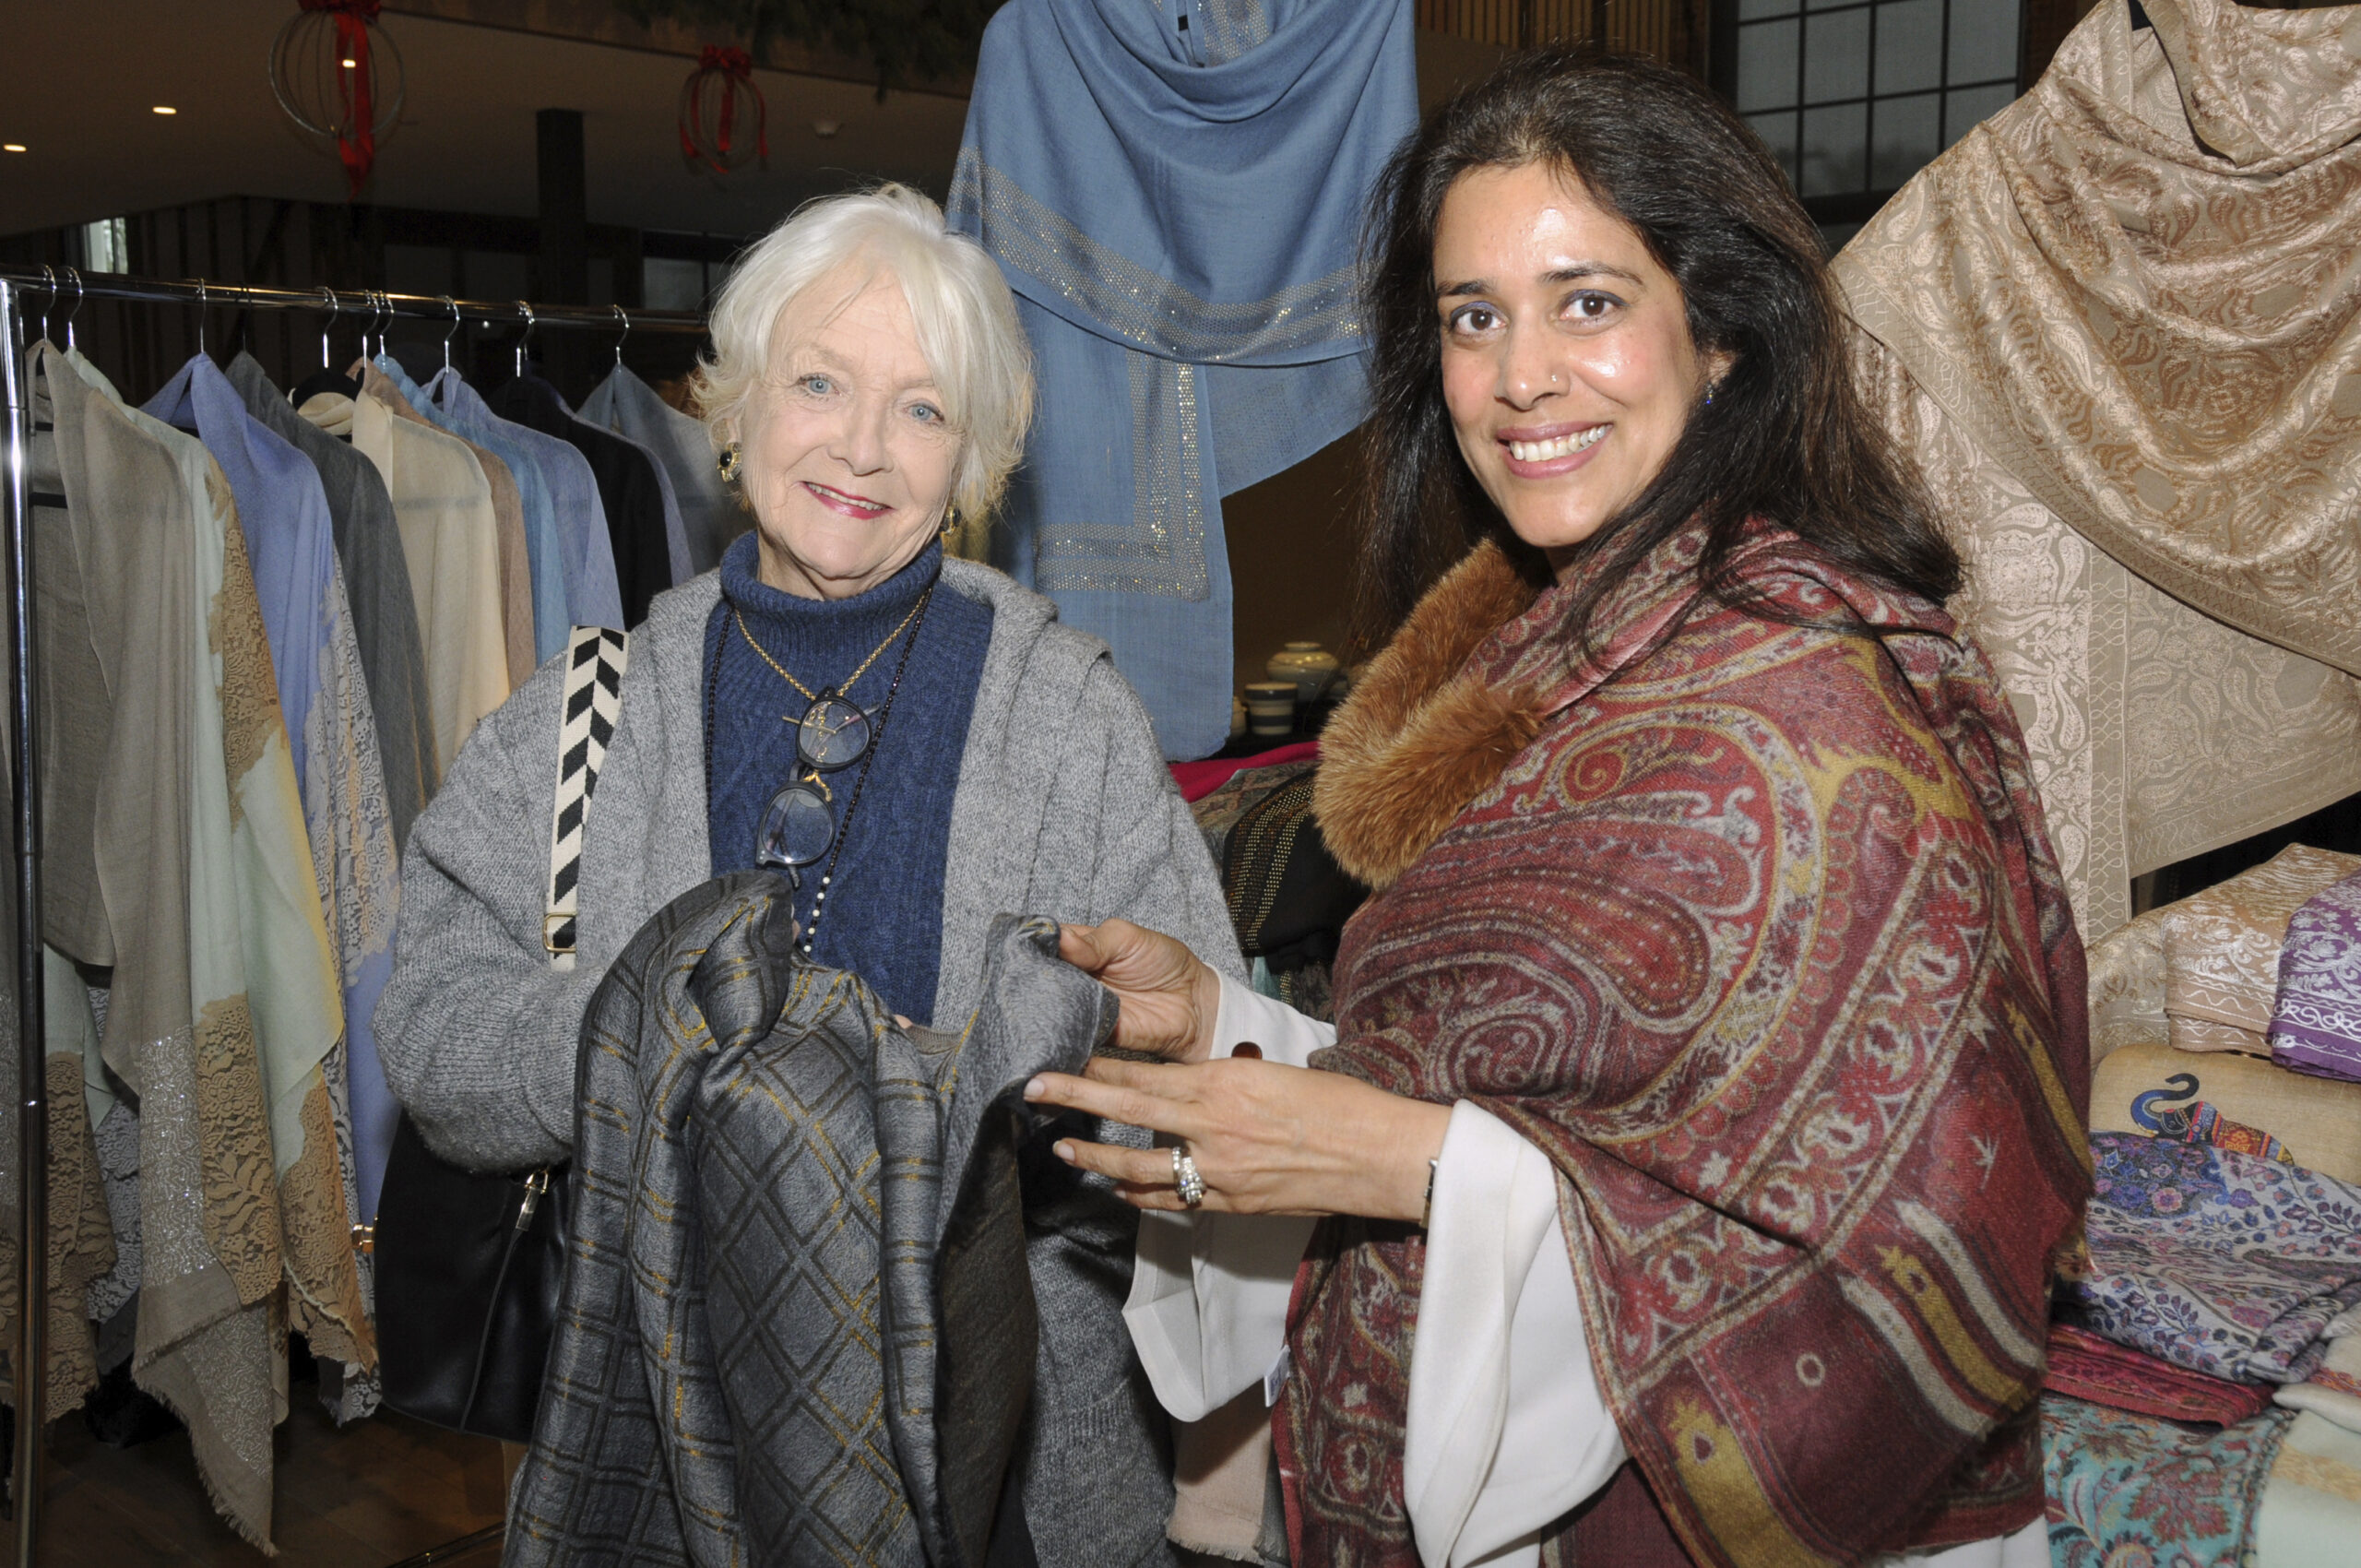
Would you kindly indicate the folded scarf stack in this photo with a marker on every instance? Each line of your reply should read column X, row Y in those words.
column 2090, row 1367
column 2316, row 1016
column 2223, row 946
column 2222, row 1262
column 2129, row 1488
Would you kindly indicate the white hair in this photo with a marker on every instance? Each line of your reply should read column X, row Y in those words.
column 966, row 317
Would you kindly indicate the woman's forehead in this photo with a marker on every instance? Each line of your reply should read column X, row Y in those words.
column 852, row 317
column 1526, row 220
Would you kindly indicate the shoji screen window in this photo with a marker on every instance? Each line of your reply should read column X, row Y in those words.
column 1856, row 96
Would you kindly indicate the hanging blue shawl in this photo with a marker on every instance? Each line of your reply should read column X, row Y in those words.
column 284, row 519
column 1174, row 189
column 552, row 614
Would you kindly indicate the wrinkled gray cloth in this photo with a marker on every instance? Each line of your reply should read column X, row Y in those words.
column 829, row 1294
column 376, row 580
column 708, row 516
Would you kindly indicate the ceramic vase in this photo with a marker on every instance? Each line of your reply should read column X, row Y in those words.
column 1309, row 665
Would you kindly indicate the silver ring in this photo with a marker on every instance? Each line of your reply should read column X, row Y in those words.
column 1185, row 1180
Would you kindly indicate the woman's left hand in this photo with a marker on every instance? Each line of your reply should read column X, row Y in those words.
column 1267, row 1138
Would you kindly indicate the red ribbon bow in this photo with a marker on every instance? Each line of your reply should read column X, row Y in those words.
column 735, row 65
column 357, row 143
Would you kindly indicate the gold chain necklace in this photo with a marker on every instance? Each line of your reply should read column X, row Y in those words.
column 809, row 695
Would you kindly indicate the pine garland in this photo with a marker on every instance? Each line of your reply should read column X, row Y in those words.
column 906, row 41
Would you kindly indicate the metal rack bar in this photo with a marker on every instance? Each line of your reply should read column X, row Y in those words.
column 29, row 1369
column 354, row 301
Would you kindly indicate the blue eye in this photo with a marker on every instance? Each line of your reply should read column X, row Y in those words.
column 818, row 386
column 926, row 413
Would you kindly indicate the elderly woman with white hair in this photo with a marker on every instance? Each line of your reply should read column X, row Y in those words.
column 914, row 735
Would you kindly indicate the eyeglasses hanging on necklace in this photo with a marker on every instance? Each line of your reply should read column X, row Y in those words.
column 801, row 828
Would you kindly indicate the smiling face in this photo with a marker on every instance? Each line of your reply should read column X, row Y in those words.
column 1567, row 361
column 848, row 454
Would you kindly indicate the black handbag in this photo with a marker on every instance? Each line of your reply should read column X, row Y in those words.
column 469, row 1267
column 469, row 1272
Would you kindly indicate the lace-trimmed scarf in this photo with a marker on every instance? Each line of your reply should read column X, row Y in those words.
column 1755, row 930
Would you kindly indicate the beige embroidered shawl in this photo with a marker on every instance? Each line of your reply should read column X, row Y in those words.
column 2123, row 307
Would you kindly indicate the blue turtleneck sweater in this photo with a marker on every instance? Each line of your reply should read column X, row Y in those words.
column 884, row 911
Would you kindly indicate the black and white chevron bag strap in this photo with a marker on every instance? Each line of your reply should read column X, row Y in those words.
column 594, row 659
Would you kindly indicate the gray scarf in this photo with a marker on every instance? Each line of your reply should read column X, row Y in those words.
column 829, row 1300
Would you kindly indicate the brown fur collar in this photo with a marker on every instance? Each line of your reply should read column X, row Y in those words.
column 1421, row 736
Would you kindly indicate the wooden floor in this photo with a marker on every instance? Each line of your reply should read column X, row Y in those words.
column 371, row 1494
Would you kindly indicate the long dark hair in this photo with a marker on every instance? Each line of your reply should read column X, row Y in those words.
column 1786, row 437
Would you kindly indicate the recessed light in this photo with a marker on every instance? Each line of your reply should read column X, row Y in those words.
column 12, row 146
column 165, row 109
column 349, row 64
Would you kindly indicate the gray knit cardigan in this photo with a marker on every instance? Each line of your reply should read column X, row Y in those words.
column 1063, row 808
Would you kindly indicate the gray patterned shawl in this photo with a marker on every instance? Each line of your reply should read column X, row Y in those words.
column 909, row 1308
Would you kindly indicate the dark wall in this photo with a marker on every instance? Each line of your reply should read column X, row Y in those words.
column 304, row 245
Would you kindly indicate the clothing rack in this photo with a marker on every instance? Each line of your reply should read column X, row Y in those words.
column 67, row 287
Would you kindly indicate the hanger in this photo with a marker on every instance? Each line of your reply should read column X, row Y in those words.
column 51, row 278
column 523, row 337
column 623, row 316
column 201, row 304
column 76, row 309
column 453, row 306
column 326, row 379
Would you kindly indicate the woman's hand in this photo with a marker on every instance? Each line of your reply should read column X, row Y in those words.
column 1267, row 1138
column 1169, row 998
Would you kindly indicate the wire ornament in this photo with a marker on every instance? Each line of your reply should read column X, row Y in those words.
column 718, row 94
column 339, row 78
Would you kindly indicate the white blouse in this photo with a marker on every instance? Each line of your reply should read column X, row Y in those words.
column 1506, row 1430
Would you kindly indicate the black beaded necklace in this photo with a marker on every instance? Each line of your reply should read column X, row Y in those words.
column 917, row 624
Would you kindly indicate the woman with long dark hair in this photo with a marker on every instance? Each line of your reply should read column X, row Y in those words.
column 1707, row 1080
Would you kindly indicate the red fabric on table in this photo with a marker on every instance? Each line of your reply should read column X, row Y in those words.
column 1198, row 779
column 2088, row 1367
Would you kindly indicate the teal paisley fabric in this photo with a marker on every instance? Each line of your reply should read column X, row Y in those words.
column 2138, row 1491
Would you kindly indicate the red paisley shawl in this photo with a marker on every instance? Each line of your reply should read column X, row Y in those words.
column 1762, row 940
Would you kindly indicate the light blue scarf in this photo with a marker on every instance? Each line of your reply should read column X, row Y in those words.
column 1175, row 189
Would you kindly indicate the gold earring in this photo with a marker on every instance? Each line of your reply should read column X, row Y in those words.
column 950, row 522
column 729, row 464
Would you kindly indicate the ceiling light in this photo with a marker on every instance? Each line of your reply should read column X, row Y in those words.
column 165, row 109
column 349, row 64
column 826, row 128
column 12, row 146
